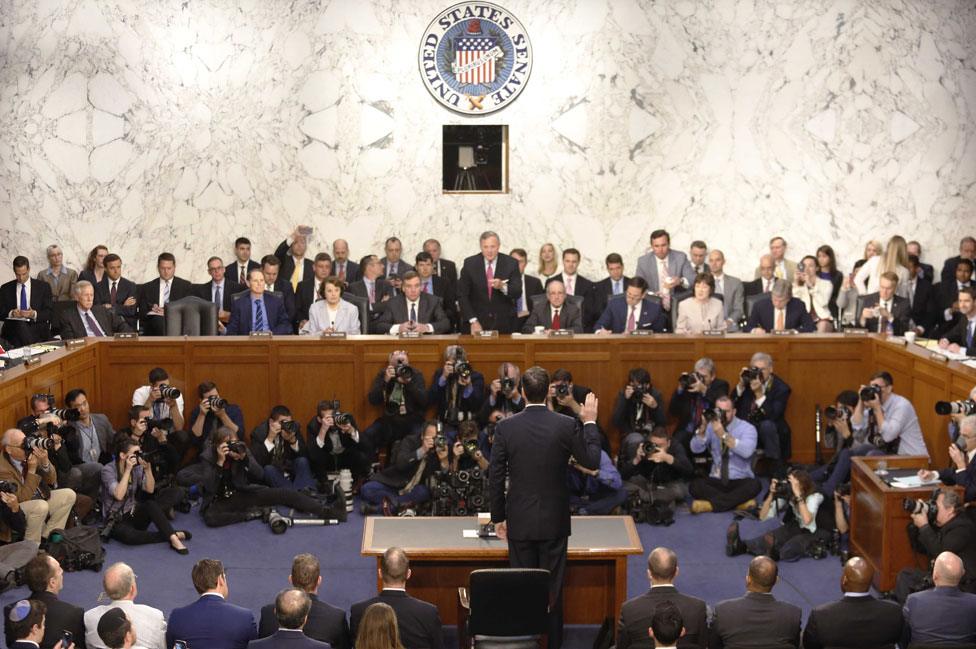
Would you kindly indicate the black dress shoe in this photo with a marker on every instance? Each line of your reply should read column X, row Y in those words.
column 733, row 544
column 183, row 550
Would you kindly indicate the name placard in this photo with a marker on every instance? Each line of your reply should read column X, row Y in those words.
column 856, row 332
column 714, row 332
column 74, row 343
column 409, row 334
column 487, row 333
column 333, row 335
column 126, row 335
column 32, row 360
column 784, row 332
column 936, row 356
column 642, row 332
column 560, row 333
column 260, row 334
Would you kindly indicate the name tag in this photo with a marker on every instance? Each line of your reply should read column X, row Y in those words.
column 785, row 332
column 714, row 332
column 260, row 334
column 333, row 335
column 560, row 333
column 409, row 334
column 856, row 332
column 126, row 335
column 935, row 356
column 74, row 343
column 487, row 333
column 642, row 332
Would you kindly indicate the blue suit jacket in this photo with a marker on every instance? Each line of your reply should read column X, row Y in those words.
column 614, row 317
column 942, row 614
column 274, row 312
column 797, row 316
column 212, row 623
column 290, row 639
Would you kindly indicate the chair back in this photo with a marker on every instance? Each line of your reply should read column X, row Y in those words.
column 508, row 602
column 191, row 316
column 362, row 304
column 751, row 302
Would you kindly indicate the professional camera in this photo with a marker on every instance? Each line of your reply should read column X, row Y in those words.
column 688, row 379
column 870, row 393
column 168, row 392
column 842, row 413
column 462, row 369
column 165, row 425
column 147, row 455
column 279, row 524
column 67, row 414
column 508, row 384
column 713, row 414
column 291, row 426
column 217, row 403
column 8, row 487
column 471, row 447
column 783, row 490
column 440, row 441
column 650, row 448
column 404, row 371
column 342, row 418
column 562, row 389
column 237, row 446
column 639, row 391
column 963, row 407
column 44, row 397
column 35, row 443
column 750, row 374
column 918, row 506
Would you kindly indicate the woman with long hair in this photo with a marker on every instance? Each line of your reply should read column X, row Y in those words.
column 893, row 260
column 94, row 269
column 815, row 293
column 548, row 262
column 827, row 270
column 378, row 629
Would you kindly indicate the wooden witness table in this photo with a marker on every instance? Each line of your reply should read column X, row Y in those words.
column 879, row 522
column 441, row 559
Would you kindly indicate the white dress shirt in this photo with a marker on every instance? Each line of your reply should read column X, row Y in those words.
column 148, row 622
column 88, row 326
column 428, row 328
column 21, row 287
column 163, row 291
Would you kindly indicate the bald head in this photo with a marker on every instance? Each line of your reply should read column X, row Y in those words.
column 119, row 582
column 948, row 570
column 291, row 608
column 662, row 565
column 762, row 575
column 394, row 567
column 857, row 576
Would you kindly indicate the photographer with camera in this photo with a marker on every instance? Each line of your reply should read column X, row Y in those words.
column 400, row 389
column 130, row 505
column 47, row 422
column 153, row 437
column 962, row 454
column 697, row 392
column 165, row 401
column 400, row 487
column 335, row 443
column 565, row 398
column 88, row 441
column 761, row 398
column 231, row 489
column 463, row 488
column 887, row 420
column 845, row 444
column 656, row 471
column 504, row 393
column 26, row 464
column 595, row 492
column 456, row 390
column 466, row 450
column 639, row 404
column 212, row 413
column 798, row 500
column 277, row 445
column 957, row 411
column 15, row 551
column 938, row 525
column 732, row 444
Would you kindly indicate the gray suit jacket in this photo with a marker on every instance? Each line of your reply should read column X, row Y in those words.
column 678, row 266
column 347, row 318
column 733, row 297
column 570, row 317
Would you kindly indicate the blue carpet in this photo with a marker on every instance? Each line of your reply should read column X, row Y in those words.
column 258, row 563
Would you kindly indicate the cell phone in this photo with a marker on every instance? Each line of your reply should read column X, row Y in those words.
column 180, row 644
column 66, row 639
column 305, row 231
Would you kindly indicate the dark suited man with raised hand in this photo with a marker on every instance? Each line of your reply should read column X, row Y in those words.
column 533, row 449
column 413, row 310
column 857, row 620
column 489, row 288
column 88, row 318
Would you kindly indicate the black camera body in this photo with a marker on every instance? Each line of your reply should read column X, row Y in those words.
column 783, row 490
column 168, row 392
column 562, row 389
column 342, row 418
column 842, row 413
column 8, row 487
column 217, row 403
column 237, row 446
column 440, row 441
column 688, row 380
column 928, row 507
column 508, row 384
column 750, row 374
column 162, row 424
column 712, row 415
column 639, row 392
column 870, row 393
column 290, row 426
column 471, row 447
column 650, row 448
column 462, row 369
column 37, row 443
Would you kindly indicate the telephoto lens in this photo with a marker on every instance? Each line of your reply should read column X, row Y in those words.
column 508, row 384
column 237, row 446
column 440, row 441
column 217, row 403
column 34, row 443
column 751, row 374
column 462, row 369
column 404, row 372
column 342, row 418
column 650, row 448
column 169, row 392
column 687, row 380
column 965, row 407
column 67, row 414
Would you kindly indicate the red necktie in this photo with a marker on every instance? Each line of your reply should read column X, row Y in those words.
column 555, row 319
column 113, row 293
column 631, row 320
column 489, row 277
column 342, row 271
column 243, row 274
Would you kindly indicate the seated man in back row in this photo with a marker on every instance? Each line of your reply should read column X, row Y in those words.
column 258, row 310
column 781, row 312
column 555, row 313
column 635, row 311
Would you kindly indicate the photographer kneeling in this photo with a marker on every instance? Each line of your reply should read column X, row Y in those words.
column 400, row 487
column 795, row 538
column 639, row 405
column 399, row 388
column 231, row 495
column 457, row 390
column 962, row 454
column 129, row 504
column 656, row 471
column 937, row 526
column 335, row 443
column 153, row 436
column 595, row 492
column 277, row 445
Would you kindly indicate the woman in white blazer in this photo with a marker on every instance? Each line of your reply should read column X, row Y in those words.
column 701, row 312
column 331, row 313
column 894, row 259
column 815, row 294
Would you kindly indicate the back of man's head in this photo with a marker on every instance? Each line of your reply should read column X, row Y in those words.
column 291, row 608
column 535, row 384
column 118, row 581
column 206, row 573
column 23, row 617
column 763, row 573
column 857, row 576
column 394, row 567
column 38, row 572
column 113, row 627
column 666, row 624
column 662, row 564
column 948, row 570
column 305, row 572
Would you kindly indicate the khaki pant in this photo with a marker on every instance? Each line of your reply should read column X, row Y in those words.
column 46, row 515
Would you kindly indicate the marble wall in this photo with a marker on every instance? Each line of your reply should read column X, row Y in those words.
column 160, row 124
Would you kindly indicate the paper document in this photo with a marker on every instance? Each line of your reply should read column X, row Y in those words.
column 912, row 482
column 469, row 534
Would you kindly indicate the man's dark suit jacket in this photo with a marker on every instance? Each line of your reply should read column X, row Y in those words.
column 752, row 287
column 923, row 309
column 446, row 290
column 382, row 288
column 600, row 295
column 283, row 286
column 69, row 323
column 965, row 479
column 636, row 614
column 326, row 623
column 155, row 325
column 570, row 317
column 288, row 264
column 419, row 621
column 429, row 311
column 449, row 271
column 854, row 623
column 125, row 289
column 41, row 300
column 293, row 639
column 205, row 292
column 212, row 623
column 941, row 615
column 900, row 310
column 949, row 269
column 928, row 271
column 304, row 299
column 532, row 448
column 61, row 616
column 533, row 286
column 958, row 536
column 774, row 407
column 401, row 267
column 275, row 315
column 680, row 406
column 755, row 620
column 797, row 316
column 584, row 289
column 497, row 312
column 614, row 316
column 946, row 294
column 957, row 334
